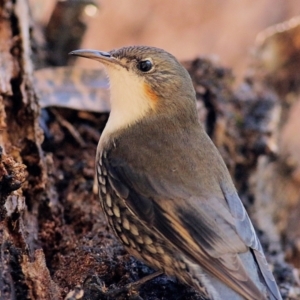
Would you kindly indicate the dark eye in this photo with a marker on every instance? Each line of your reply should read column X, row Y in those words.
column 144, row 65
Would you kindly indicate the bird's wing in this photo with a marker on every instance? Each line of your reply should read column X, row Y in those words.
column 247, row 233
column 208, row 230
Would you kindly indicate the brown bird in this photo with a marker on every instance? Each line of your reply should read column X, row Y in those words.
column 163, row 185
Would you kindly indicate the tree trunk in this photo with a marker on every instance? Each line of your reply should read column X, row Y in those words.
column 24, row 183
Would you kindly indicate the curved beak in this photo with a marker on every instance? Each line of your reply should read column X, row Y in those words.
column 104, row 57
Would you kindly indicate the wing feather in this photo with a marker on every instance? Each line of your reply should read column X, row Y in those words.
column 247, row 233
column 210, row 231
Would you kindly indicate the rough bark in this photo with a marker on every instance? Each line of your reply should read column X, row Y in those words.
column 23, row 176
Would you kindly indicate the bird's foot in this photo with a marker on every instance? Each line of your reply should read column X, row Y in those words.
column 130, row 289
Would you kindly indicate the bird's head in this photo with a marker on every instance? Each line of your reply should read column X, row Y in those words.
column 144, row 80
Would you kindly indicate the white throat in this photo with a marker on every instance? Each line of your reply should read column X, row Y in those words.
column 127, row 98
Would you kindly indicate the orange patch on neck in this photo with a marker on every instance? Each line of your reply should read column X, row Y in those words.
column 151, row 95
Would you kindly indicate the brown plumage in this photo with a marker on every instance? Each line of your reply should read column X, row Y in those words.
column 164, row 187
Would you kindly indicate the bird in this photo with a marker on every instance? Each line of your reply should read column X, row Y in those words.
column 163, row 185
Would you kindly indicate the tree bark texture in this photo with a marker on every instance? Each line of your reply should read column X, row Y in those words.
column 23, row 178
